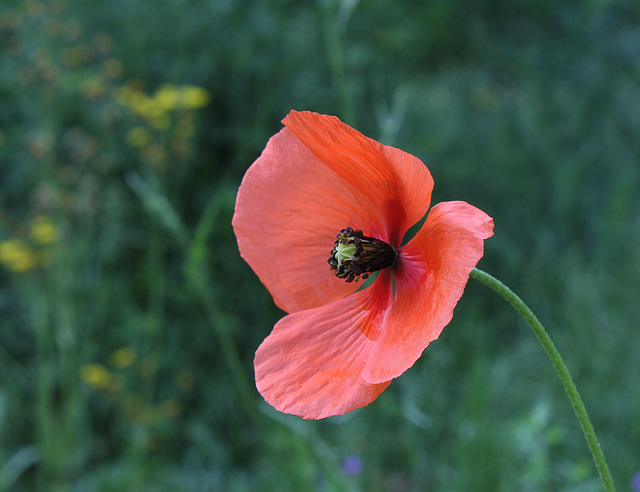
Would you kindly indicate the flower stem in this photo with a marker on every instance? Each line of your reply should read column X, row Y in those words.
column 561, row 368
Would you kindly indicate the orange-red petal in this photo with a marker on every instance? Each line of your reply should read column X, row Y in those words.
column 398, row 185
column 311, row 363
column 430, row 277
column 313, row 179
column 289, row 208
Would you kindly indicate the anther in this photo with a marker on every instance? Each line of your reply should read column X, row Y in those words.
column 356, row 256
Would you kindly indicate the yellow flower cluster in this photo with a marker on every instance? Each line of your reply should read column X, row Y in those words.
column 43, row 231
column 122, row 358
column 20, row 256
column 110, row 379
column 165, row 123
column 155, row 109
column 97, row 376
column 101, row 378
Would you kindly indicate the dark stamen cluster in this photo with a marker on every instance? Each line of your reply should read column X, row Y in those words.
column 370, row 255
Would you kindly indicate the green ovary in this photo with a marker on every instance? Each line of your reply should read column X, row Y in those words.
column 345, row 252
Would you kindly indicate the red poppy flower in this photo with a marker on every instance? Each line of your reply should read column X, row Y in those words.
column 339, row 348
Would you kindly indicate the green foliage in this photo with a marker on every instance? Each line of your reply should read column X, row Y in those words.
column 129, row 320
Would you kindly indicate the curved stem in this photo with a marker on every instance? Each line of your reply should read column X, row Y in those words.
column 561, row 368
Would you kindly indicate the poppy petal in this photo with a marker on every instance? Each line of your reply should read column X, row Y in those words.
column 397, row 184
column 311, row 363
column 430, row 277
column 289, row 208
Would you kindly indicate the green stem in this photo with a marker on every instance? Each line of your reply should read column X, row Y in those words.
column 561, row 368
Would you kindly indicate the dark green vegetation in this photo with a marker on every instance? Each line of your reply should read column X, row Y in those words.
column 128, row 321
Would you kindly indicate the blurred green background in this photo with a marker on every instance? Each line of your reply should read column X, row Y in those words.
column 129, row 321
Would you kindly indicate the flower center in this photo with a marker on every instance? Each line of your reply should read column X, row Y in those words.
column 355, row 255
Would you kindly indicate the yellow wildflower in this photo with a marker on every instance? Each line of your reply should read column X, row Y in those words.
column 43, row 231
column 140, row 104
column 17, row 256
column 166, row 97
column 192, row 97
column 96, row 375
column 123, row 357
